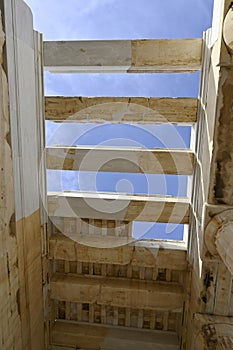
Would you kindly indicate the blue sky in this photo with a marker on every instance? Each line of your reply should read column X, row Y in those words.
column 121, row 19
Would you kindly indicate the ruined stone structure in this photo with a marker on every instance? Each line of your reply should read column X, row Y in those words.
column 72, row 276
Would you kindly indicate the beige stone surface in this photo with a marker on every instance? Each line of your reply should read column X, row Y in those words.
column 174, row 55
column 224, row 244
column 121, row 109
column 211, row 282
column 108, row 337
column 141, row 56
column 87, row 56
column 119, row 159
column 111, row 206
column 228, row 29
column 117, row 292
column 63, row 248
column 10, row 321
column 212, row 332
column 21, row 324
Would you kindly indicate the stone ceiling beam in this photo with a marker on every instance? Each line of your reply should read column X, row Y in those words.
column 123, row 56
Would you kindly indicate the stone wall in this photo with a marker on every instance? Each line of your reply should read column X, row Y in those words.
column 21, row 294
